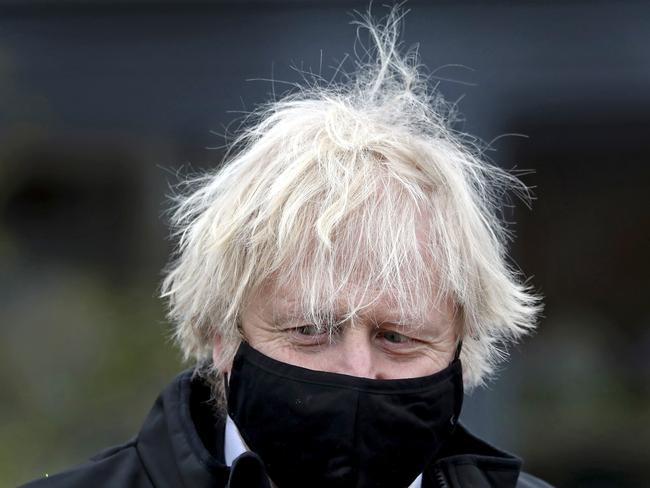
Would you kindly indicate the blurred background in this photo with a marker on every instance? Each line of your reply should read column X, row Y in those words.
column 104, row 103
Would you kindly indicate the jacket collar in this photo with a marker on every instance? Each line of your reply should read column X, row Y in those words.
column 181, row 444
column 467, row 460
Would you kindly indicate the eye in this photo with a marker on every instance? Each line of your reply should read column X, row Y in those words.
column 311, row 335
column 393, row 337
column 308, row 335
column 309, row 330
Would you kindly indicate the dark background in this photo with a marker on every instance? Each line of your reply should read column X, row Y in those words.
column 102, row 103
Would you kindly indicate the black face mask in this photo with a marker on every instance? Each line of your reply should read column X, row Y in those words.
column 318, row 429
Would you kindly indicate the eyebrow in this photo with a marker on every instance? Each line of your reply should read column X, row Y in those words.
column 336, row 317
column 326, row 316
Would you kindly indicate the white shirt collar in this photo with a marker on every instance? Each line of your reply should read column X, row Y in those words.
column 234, row 446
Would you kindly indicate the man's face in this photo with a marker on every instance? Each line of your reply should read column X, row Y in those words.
column 375, row 344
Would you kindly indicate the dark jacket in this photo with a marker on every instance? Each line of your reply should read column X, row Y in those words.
column 181, row 445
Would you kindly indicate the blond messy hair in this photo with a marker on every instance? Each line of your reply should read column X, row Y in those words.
column 362, row 182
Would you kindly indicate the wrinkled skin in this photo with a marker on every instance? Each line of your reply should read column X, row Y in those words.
column 372, row 345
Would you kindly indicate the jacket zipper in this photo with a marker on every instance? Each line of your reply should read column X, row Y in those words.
column 440, row 476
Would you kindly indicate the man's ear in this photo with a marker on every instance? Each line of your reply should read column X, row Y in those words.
column 217, row 351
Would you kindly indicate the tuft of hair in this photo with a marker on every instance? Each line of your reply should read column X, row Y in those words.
column 362, row 182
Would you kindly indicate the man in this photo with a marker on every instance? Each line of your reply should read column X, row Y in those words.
column 338, row 281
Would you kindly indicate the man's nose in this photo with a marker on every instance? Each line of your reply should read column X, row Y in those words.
column 358, row 357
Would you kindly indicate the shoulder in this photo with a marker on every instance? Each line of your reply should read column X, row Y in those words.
column 529, row 481
column 115, row 466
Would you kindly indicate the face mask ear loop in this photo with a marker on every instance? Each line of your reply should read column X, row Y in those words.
column 225, row 384
column 458, row 349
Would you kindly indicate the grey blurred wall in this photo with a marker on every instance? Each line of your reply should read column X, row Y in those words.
column 103, row 103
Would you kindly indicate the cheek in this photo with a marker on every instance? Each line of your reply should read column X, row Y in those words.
column 270, row 345
column 433, row 363
column 424, row 364
column 318, row 359
column 326, row 359
column 276, row 345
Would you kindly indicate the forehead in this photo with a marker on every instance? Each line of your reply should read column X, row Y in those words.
column 286, row 302
column 381, row 263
